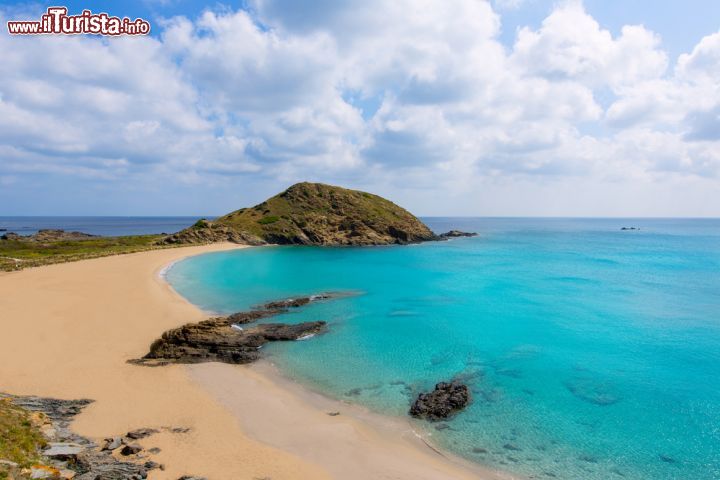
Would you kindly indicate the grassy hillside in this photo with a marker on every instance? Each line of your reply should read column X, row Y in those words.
column 314, row 214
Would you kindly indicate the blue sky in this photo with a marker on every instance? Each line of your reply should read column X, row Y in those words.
column 462, row 107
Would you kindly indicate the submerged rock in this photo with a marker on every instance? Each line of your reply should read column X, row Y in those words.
column 447, row 399
column 592, row 391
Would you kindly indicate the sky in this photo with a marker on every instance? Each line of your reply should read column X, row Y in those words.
column 450, row 108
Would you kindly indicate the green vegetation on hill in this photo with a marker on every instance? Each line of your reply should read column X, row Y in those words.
column 21, row 252
column 313, row 214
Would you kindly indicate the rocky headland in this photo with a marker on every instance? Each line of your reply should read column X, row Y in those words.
column 312, row 214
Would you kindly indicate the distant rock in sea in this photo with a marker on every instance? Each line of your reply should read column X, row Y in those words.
column 457, row 233
column 312, row 214
column 630, row 228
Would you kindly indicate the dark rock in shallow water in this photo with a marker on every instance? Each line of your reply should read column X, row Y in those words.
column 241, row 318
column 221, row 340
column 289, row 303
column 456, row 234
column 588, row 458
column 215, row 340
column 666, row 459
column 297, row 302
column 353, row 392
column 592, row 391
column 447, row 399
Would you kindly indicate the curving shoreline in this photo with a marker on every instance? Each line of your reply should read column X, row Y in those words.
column 69, row 329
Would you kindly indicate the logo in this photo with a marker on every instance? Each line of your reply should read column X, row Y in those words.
column 57, row 22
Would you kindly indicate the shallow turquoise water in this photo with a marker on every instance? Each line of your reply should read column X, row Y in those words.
column 592, row 353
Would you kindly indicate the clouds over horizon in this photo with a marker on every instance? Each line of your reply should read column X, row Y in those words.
column 419, row 101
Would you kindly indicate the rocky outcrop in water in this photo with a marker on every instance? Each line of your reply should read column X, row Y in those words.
column 444, row 401
column 456, row 234
column 223, row 339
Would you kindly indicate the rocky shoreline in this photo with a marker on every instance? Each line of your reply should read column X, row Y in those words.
column 67, row 455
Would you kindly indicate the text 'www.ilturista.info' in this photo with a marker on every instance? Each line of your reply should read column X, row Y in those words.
column 57, row 21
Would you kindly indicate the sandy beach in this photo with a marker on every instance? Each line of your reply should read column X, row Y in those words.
column 68, row 330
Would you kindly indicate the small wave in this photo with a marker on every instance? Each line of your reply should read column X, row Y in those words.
column 164, row 271
column 306, row 337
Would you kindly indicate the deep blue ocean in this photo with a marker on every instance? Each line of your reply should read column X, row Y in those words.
column 592, row 353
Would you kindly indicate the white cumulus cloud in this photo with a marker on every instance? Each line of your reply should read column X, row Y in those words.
column 398, row 97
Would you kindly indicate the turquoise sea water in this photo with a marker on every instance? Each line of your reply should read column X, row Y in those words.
column 592, row 353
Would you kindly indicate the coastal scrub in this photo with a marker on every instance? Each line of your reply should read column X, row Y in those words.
column 20, row 438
